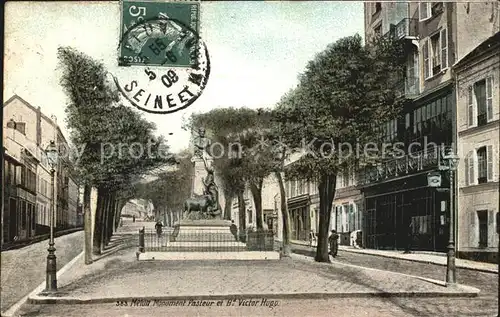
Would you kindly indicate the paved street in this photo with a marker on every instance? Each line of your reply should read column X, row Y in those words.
column 24, row 269
column 285, row 276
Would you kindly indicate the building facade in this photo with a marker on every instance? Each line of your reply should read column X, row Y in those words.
column 27, row 131
column 477, row 81
column 347, row 214
column 400, row 209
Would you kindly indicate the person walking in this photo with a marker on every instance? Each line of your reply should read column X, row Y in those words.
column 409, row 241
column 312, row 238
column 159, row 228
column 333, row 241
column 234, row 230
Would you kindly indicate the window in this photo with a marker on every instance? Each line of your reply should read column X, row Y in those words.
column 435, row 54
column 292, row 189
column 480, row 102
column 482, row 215
column 482, row 167
column 424, row 9
column 480, row 93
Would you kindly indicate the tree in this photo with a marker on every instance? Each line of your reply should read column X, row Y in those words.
column 102, row 126
column 171, row 188
column 345, row 93
column 252, row 160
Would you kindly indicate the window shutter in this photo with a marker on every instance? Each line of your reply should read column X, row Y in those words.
column 490, row 166
column 489, row 98
column 472, row 180
column 466, row 163
column 444, row 48
column 470, row 112
column 427, row 64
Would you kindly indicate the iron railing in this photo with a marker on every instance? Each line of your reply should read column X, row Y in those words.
column 417, row 161
column 205, row 240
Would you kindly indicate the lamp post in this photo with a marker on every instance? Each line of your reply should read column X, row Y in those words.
column 452, row 162
column 51, row 277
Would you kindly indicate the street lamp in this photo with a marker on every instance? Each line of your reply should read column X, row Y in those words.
column 434, row 180
column 51, row 277
column 452, row 161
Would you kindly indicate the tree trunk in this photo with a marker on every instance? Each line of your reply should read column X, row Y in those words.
column 228, row 197
column 257, row 199
column 87, row 224
column 98, row 223
column 287, row 248
column 111, row 218
column 326, row 193
column 104, row 221
column 241, row 211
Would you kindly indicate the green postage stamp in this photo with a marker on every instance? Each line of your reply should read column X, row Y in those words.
column 159, row 33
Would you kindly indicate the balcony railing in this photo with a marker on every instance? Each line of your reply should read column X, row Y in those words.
column 407, row 28
column 392, row 168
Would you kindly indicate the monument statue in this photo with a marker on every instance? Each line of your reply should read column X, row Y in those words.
column 208, row 203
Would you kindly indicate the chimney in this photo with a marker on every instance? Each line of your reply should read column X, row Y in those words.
column 38, row 127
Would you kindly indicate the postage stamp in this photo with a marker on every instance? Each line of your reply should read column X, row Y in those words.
column 163, row 38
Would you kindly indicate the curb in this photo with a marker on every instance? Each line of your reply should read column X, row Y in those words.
column 107, row 300
column 423, row 261
column 465, row 289
column 308, row 253
column 11, row 311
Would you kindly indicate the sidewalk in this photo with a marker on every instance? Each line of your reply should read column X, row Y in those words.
column 302, row 247
column 121, row 277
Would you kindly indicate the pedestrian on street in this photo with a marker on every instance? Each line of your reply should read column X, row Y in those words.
column 409, row 241
column 333, row 241
column 312, row 238
column 234, row 230
column 159, row 228
column 133, row 218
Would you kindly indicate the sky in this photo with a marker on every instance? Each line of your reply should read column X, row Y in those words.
column 257, row 49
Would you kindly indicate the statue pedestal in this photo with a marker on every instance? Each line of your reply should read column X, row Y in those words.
column 206, row 232
column 206, row 240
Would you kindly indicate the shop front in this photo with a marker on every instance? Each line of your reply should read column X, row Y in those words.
column 300, row 217
column 406, row 214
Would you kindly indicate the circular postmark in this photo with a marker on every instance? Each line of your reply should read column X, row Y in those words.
column 175, row 61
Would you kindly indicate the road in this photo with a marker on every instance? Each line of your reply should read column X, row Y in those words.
column 484, row 305
column 24, row 269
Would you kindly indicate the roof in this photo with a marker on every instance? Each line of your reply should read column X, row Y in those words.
column 488, row 45
column 35, row 109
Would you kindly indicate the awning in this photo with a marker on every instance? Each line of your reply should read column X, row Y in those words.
column 298, row 201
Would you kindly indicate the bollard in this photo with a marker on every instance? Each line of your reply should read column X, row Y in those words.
column 141, row 240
